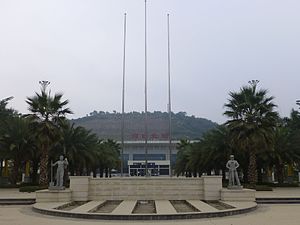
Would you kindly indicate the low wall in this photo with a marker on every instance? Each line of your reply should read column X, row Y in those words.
column 148, row 188
column 53, row 195
column 247, row 195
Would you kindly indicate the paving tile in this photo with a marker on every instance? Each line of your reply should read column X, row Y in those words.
column 87, row 207
column 202, row 206
column 125, row 207
column 164, row 207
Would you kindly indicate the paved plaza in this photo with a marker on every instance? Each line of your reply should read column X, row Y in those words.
column 13, row 193
column 264, row 215
column 275, row 214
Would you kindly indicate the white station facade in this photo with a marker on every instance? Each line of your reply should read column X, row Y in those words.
column 158, row 157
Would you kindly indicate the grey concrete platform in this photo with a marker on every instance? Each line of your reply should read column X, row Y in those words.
column 164, row 210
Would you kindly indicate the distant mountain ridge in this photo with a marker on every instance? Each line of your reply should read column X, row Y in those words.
column 108, row 125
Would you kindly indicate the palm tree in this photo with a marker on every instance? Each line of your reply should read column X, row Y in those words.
column 17, row 142
column 216, row 149
column 4, row 111
column 47, row 114
column 6, row 114
column 182, row 165
column 294, row 121
column 109, row 156
column 287, row 145
column 252, row 122
column 283, row 152
column 79, row 146
column 3, row 115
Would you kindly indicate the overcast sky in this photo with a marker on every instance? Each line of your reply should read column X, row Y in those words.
column 217, row 46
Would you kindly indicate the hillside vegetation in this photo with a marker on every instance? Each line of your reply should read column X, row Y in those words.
column 108, row 125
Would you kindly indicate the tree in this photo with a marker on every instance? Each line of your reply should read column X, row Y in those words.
column 17, row 142
column 210, row 153
column 252, row 122
column 182, row 159
column 79, row 146
column 4, row 111
column 108, row 156
column 294, row 121
column 5, row 115
column 216, row 149
column 283, row 151
column 47, row 114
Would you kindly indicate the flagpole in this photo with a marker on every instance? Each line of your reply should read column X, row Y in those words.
column 123, row 99
column 146, row 111
column 169, row 90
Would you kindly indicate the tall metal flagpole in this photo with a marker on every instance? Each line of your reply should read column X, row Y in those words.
column 169, row 105
column 146, row 111
column 123, row 99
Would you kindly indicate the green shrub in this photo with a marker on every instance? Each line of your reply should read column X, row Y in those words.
column 284, row 185
column 263, row 188
column 224, row 183
column 9, row 186
column 27, row 184
column 31, row 188
column 279, row 185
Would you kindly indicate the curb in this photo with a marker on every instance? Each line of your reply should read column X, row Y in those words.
column 144, row 216
column 14, row 201
column 283, row 200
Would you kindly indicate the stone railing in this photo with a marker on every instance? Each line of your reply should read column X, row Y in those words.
column 145, row 188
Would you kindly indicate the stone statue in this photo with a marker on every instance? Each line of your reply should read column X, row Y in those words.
column 61, row 165
column 232, row 165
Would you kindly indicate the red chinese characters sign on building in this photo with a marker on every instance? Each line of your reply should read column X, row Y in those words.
column 152, row 136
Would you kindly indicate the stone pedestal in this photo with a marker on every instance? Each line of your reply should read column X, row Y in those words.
column 212, row 186
column 53, row 195
column 80, row 187
column 238, row 195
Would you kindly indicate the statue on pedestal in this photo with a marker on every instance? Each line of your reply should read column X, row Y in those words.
column 61, row 165
column 234, row 181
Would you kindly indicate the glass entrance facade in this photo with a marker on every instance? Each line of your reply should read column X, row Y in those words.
column 155, row 168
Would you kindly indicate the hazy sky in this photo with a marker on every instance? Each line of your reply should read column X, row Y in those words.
column 217, row 46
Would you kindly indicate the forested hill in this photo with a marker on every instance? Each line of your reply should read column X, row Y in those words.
column 108, row 125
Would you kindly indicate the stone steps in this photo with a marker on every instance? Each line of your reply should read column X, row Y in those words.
column 14, row 201
column 283, row 200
